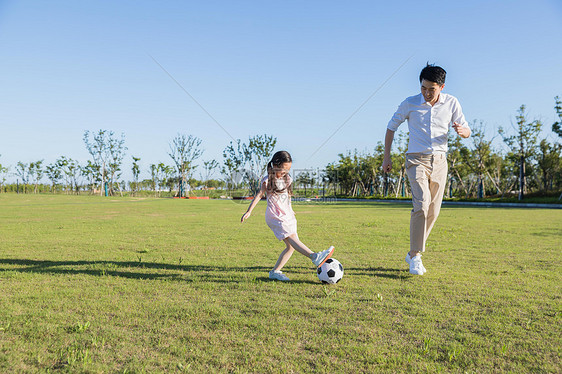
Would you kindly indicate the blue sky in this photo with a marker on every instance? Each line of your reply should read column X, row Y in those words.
column 293, row 69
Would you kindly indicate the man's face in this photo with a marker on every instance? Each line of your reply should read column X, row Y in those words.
column 430, row 91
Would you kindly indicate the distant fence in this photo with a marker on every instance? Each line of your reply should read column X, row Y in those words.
column 323, row 183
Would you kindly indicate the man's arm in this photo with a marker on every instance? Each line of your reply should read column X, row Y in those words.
column 459, row 123
column 387, row 162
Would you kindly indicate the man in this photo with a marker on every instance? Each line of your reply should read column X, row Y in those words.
column 429, row 115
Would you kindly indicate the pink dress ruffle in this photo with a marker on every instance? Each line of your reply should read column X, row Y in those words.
column 279, row 214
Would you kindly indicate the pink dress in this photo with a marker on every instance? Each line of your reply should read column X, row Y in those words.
column 279, row 214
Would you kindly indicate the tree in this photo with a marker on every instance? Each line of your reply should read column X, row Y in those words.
column 107, row 155
column 22, row 170
column 98, row 148
column 373, row 169
column 233, row 163
column 167, row 179
column 354, row 172
column 136, row 172
column 458, row 170
column 92, row 173
column 160, row 176
column 399, row 159
column 524, row 144
column 478, row 158
column 153, row 177
column 248, row 161
column 305, row 178
column 208, row 167
column 70, row 169
column 557, row 126
column 61, row 164
column 257, row 152
column 116, row 154
column 54, row 174
column 340, row 173
column 548, row 161
column 360, row 174
column 3, row 172
column 501, row 173
column 184, row 150
column 73, row 172
column 36, row 172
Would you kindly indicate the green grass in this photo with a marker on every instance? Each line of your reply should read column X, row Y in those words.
column 129, row 285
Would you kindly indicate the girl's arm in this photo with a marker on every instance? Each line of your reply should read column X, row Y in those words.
column 254, row 202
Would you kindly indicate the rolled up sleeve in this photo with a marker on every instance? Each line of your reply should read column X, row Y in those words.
column 399, row 116
column 457, row 114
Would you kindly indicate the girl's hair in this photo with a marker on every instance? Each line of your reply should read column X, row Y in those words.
column 279, row 158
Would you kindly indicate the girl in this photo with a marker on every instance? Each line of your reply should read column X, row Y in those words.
column 279, row 214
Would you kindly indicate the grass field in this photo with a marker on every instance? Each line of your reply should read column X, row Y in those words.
column 125, row 285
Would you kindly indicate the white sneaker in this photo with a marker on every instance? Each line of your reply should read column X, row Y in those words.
column 319, row 258
column 409, row 260
column 416, row 266
column 277, row 275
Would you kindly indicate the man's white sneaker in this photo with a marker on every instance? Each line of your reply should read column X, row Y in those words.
column 319, row 258
column 416, row 266
column 277, row 275
column 409, row 260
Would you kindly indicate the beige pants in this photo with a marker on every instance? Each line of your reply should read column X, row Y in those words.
column 428, row 176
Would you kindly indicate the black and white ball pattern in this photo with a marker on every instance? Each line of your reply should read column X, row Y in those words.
column 330, row 272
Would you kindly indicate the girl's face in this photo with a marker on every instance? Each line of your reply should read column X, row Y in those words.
column 282, row 170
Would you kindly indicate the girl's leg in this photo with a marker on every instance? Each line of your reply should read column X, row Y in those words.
column 317, row 258
column 284, row 257
column 294, row 242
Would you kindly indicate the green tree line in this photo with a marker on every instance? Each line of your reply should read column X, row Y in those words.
column 524, row 164
column 476, row 168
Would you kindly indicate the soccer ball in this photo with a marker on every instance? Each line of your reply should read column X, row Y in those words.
column 330, row 272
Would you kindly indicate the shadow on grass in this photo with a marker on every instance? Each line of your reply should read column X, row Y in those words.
column 266, row 279
column 378, row 272
column 351, row 271
column 130, row 269
column 183, row 273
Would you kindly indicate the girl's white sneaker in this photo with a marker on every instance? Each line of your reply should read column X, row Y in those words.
column 319, row 258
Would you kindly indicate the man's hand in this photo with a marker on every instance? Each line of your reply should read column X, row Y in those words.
column 387, row 165
column 464, row 132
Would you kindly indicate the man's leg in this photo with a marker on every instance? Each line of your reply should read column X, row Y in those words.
column 437, row 182
column 418, row 170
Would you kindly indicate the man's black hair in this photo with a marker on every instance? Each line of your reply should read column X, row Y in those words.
column 433, row 73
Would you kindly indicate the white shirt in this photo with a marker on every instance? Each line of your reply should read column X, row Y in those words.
column 428, row 125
